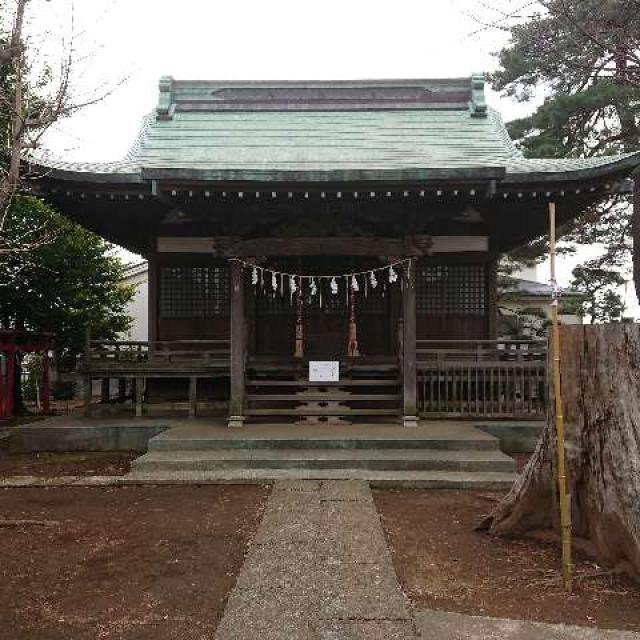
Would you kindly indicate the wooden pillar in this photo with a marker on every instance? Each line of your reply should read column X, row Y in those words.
column 2, row 386
column 45, row 392
column 409, row 374
column 11, row 363
column 139, row 392
column 105, row 390
column 492, row 298
column 87, row 393
column 86, row 380
column 193, row 396
column 238, row 346
column 152, row 288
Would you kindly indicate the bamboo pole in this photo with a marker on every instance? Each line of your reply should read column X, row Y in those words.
column 561, row 467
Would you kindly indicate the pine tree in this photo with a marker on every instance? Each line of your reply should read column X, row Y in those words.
column 584, row 57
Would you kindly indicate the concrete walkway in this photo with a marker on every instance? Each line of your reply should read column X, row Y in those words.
column 320, row 569
column 438, row 625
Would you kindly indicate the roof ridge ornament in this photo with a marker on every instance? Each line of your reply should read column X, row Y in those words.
column 164, row 110
column 478, row 103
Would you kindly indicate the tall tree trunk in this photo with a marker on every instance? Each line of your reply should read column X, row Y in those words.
column 635, row 231
column 10, row 180
column 600, row 368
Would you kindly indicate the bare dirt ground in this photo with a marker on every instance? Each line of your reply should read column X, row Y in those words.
column 43, row 464
column 126, row 563
column 444, row 564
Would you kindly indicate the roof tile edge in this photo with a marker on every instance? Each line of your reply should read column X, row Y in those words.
column 478, row 104
column 165, row 98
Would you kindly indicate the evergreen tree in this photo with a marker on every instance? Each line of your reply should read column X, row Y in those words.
column 584, row 56
column 64, row 285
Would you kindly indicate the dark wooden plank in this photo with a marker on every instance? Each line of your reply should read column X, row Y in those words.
column 321, row 397
column 328, row 411
column 305, row 383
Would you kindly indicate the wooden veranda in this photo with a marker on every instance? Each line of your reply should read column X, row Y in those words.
column 455, row 379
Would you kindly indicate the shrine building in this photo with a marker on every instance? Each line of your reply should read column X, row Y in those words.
column 326, row 251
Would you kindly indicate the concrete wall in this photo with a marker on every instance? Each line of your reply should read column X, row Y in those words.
column 92, row 437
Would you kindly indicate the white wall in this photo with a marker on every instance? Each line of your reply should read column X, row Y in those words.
column 138, row 307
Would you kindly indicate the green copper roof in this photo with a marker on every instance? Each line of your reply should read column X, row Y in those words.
column 308, row 130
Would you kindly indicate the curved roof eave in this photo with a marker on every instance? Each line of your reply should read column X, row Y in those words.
column 602, row 167
column 552, row 171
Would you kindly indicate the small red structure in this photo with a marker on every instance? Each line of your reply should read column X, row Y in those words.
column 12, row 343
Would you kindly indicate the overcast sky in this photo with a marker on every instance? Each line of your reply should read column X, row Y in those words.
column 141, row 40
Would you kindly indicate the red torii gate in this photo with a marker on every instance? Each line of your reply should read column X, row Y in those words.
column 12, row 343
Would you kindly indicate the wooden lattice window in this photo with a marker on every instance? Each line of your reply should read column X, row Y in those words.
column 194, row 292
column 376, row 301
column 456, row 289
column 269, row 303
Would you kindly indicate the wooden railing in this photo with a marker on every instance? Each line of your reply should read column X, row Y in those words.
column 482, row 378
column 161, row 354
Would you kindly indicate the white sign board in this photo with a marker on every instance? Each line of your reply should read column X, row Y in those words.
column 324, row 371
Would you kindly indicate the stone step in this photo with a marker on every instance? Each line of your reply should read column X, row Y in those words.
column 177, row 442
column 479, row 481
column 373, row 459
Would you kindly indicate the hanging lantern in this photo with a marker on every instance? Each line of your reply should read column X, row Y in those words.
column 354, row 284
column 334, row 286
column 254, row 276
column 372, row 280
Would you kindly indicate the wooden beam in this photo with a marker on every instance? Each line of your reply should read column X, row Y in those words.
column 238, row 346
column 410, row 411
column 410, row 245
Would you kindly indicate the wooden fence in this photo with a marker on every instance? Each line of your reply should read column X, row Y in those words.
column 482, row 378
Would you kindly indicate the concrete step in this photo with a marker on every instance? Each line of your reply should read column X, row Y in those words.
column 372, row 459
column 480, row 481
column 201, row 442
